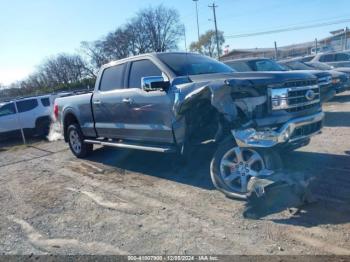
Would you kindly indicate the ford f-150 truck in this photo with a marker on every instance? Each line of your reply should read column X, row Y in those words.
column 169, row 102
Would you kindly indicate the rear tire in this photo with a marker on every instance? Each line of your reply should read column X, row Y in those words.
column 76, row 142
column 226, row 164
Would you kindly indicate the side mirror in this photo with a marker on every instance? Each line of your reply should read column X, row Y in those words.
column 154, row 83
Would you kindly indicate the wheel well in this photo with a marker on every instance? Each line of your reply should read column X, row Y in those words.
column 205, row 122
column 42, row 119
column 202, row 122
column 69, row 119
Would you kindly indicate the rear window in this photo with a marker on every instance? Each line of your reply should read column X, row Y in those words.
column 112, row 78
column 265, row 65
column 45, row 101
column 7, row 109
column 239, row 66
column 27, row 105
column 327, row 58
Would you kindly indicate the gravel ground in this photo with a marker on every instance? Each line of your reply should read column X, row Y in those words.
column 128, row 202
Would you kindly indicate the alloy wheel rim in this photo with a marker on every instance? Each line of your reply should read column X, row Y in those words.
column 75, row 141
column 238, row 166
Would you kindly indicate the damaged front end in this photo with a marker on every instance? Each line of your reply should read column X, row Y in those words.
column 257, row 115
column 286, row 134
column 260, row 112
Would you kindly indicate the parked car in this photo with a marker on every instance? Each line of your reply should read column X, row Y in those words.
column 33, row 115
column 173, row 102
column 265, row 64
column 336, row 59
column 320, row 49
column 340, row 81
column 323, row 66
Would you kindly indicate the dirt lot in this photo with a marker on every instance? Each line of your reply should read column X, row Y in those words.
column 127, row 202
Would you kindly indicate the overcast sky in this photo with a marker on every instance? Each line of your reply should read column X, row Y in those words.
column 31, row 31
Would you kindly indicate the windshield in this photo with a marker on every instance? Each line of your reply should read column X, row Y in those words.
column 297, row 65
column 193, row 64
column 265, row 65
column 320, row 66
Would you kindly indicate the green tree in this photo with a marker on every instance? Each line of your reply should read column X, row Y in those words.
column 207, row 44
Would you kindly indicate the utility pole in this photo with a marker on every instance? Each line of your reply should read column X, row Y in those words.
column 316, row 46
column 276, row 51
column 216, row 29
column 196, row 1
column 346, row 38
column 19, row 123
column 185, row 37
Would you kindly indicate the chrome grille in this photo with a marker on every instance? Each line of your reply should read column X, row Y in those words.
column 295, row 97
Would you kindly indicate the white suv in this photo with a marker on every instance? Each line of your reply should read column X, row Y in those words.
column 34, row 116
column 336, row 59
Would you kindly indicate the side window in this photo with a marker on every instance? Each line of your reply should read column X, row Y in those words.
column 7, row 109
column 112, row 78
column 327, row 58
column 45, row 101
column 27, row 105
column 342, row 57
column 141, row 69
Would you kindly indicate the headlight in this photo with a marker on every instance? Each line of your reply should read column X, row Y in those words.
column 336, row 80
column 279, row 98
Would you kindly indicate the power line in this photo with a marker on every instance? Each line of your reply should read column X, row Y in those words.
column 288, row 29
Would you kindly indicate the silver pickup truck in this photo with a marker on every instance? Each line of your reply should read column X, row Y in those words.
column 169, row 102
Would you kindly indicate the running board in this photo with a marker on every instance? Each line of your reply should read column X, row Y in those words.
column 160, row 149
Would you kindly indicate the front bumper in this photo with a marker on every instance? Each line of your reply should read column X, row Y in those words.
column 294, row 130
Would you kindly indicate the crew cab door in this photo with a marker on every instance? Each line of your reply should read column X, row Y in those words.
column 132, row 113
column 150, row 113
column 8, row 119
column 28, row 111
column 108, row 107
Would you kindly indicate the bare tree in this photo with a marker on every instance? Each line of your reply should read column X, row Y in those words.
column 95, row 53
column 162, row 26
column 207, row 44
column 151, row 30
column 155, row 29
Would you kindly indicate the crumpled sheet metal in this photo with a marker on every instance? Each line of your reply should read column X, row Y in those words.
column 275, row 193
column 219, row 92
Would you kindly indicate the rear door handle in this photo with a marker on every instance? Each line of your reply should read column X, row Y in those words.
column 97, row 102
column 128, row 101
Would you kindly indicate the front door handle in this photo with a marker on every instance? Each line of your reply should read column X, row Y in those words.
column 97, row 102
column 128, row 101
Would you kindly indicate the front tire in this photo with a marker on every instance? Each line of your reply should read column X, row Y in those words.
column 76, row 142
column 232, row 167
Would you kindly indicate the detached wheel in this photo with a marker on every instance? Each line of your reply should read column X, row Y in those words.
column 76, row 142
column 232, row 167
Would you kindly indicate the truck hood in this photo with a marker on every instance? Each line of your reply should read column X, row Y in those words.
column 256, row 78
column 231, row 92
